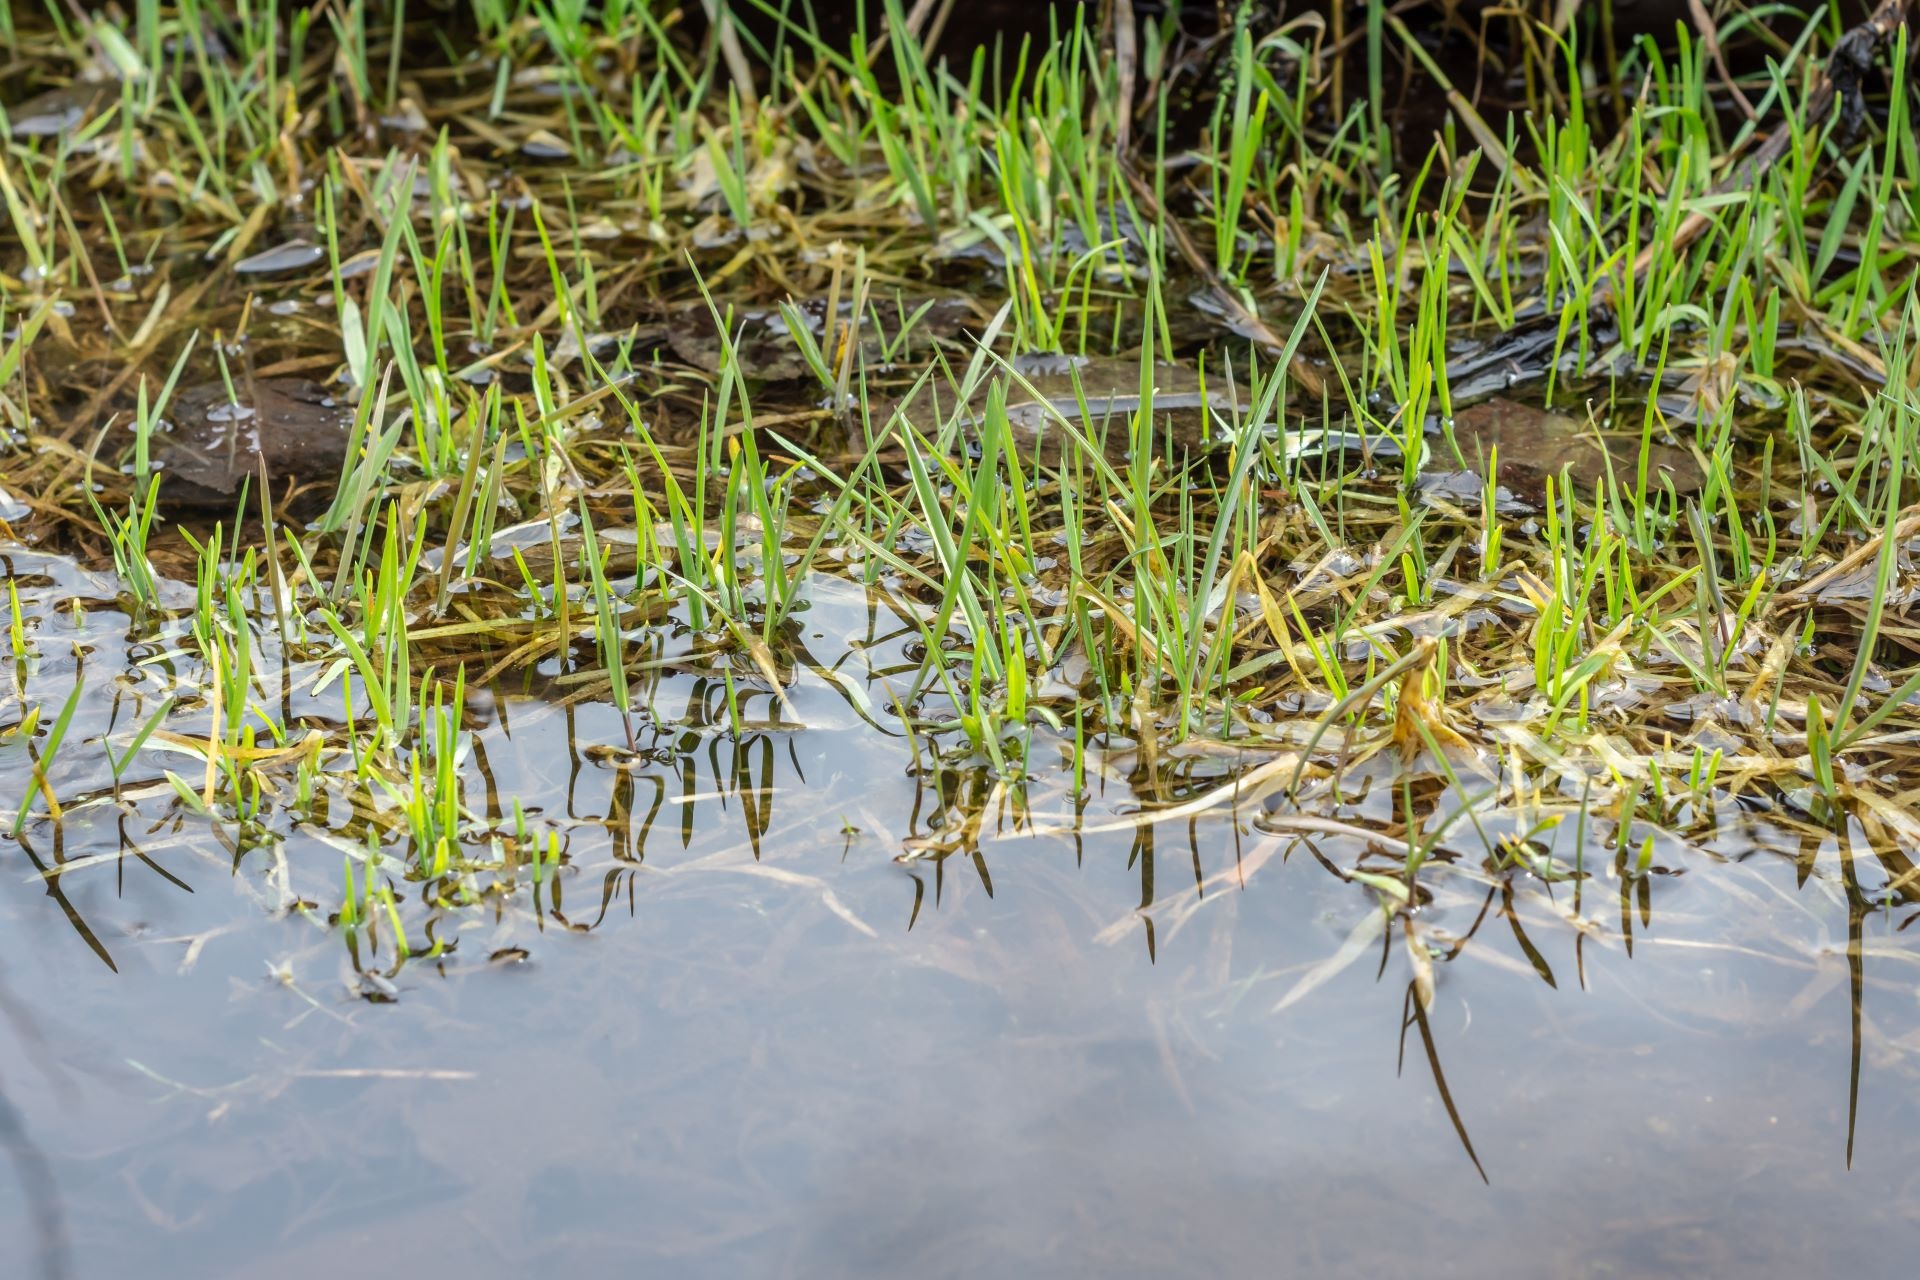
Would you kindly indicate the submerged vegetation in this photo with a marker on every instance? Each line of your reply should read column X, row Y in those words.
column 1502, row 500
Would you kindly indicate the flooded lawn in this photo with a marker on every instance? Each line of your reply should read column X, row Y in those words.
column 662, row 640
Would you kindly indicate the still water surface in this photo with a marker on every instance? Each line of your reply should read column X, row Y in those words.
column 741, row 1037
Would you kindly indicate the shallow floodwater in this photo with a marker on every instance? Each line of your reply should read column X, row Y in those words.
column 736, row 1034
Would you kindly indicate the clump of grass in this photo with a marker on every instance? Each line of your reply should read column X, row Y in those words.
column 552, row 477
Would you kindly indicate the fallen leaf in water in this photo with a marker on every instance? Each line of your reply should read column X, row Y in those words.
column 294, row 255
column 212, row 442
column 1535, row 444
column 762, row 348
column 542, row 144
column 406, row 117
column 1421, row 961
column 58, row 111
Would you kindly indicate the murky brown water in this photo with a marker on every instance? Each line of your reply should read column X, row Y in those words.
column 738, row 1037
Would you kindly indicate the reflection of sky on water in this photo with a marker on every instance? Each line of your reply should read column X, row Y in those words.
column 736, row 1067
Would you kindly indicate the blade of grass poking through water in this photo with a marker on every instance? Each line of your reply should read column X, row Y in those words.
column 1414, row 659
column 1820, row 755
column 1230, row 181
column 13, row 405
column 607, row 634
column 117, row 763
column 130, row 535
column 1897, row 421
column 44, row 764
column 1245, row 454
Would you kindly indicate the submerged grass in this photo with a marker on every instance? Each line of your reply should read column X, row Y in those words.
column 638, row 336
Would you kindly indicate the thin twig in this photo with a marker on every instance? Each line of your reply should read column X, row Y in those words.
column 1710, row 41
